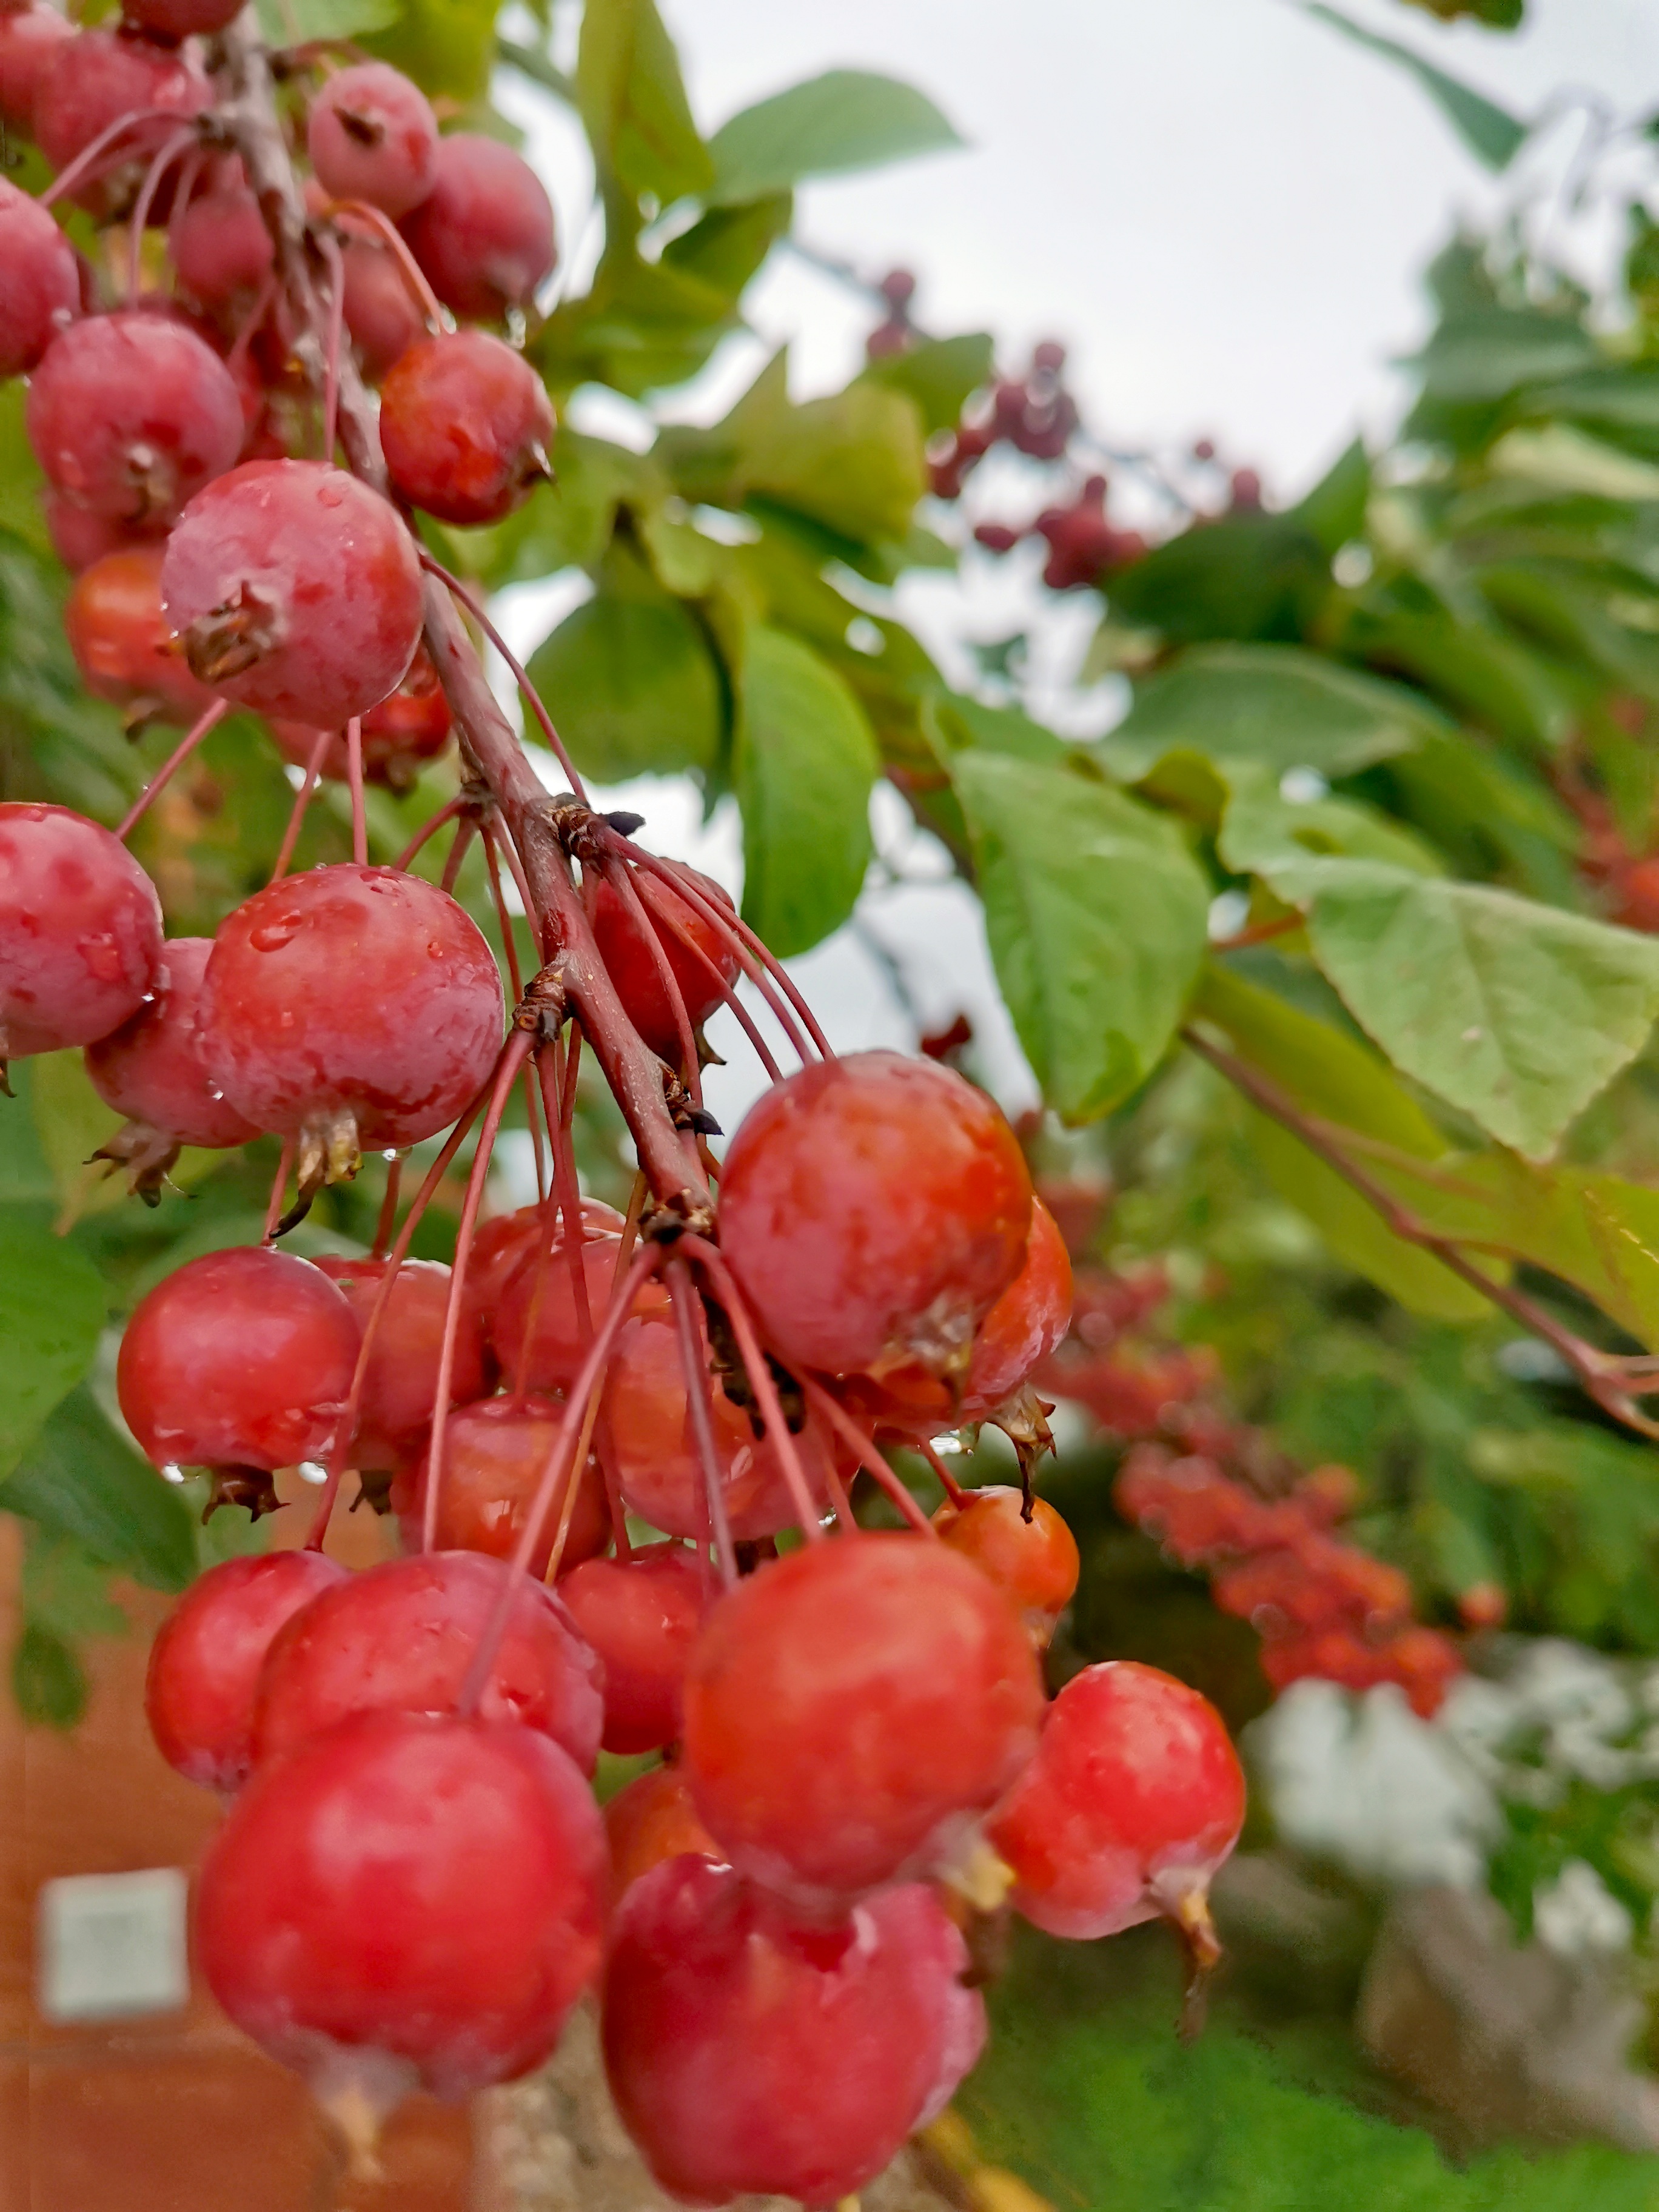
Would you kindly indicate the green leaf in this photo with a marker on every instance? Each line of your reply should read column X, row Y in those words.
column 71, row 1121
column 67, row 1593
column 47, row 1680
column 1333, row 512
column 1246, row 576
column 1261, row 829
column 564, row 525
column 448, row 47
column 1485, row 353
column 940, row 374
column 78, row 1481
column 955, row 720
column 292, row 22
column 53, row 1305
column 634, row 103
column 1492, row 134
column 844, row 120
column 1095, row 912
column 1276, row 705
column 804, row 760
column 630, row 680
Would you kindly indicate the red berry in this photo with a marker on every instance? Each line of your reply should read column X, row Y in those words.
column 641, row 1617
column 39, row 280
column 80, row 930
column 29, row 40
column 658, row 1463
column 181, row 19
column 151, row 1069
column 241, row 1359
column 502, row 1243
column 220, row 245
column 410, row 728
column 122, row 642
column 79, row 537
column 406, row 1902
column 131, row 414
column 496, row 1453
column 1027, row 1322
column 483, row 234
column 1134, row 1798
column 465, row 422
column 557, row 1346
column 653, row 1819
column 1034, row 1563
column 628, row 956
column 296, row 590
column 401, row 1635
column 372, row 137
column 206, row 1661
column 93, row 80
column 380, row 313
column 796, row 1778
column 750, row 2051
column 352, row 992
column 400, row 1388
column 873, row 1209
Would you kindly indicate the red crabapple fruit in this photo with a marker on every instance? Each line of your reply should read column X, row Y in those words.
column 40, row 282
column 181, row 19
column 79, row 537
column 751, row 2051
column 409, row 728
column 642, row 1616
column 653, row 1819
column 628, row 956
column 401, row 1635
column 204, row 1663
column 540, row 1297
column 352, row 1006
column 1134, row 1800
column 381, row 313
column 90, row 82
column 296, row 590
column 496, row 1453
column 400, row 1386
column 131, row 414
column 221, row 247
column 372, row 137
column 1025, row 1324
column 502, row 1243
column 465, row 423
column 483, row 234
column 1033, row 1562
column 873, row 1209
column 80, row 930
column 122, row 643
column 29, row 39
column 242, row 1358
column 405, row 1902
column 791, row 1777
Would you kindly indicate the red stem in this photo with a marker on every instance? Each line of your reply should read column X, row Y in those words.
column 158, row 168
column 723, row 923
column 509, row 946
column 430, row 829
column 409, row 267
column 301, row 801
column 689, row 944
column 953, row 1490
column 532, row 696
column 205, row 722
column 621, row 880
column 90, row 156
column 394, row 1177
column 355, row 778
column 694, row 1366
column 459, row 850
column 869, row 1458
column 279, row 1187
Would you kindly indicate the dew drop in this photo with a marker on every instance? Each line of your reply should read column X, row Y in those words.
column 271, row 936
column 173, row 1471
column 314, row 1472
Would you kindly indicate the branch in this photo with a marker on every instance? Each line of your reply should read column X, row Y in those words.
column 1612, row 1382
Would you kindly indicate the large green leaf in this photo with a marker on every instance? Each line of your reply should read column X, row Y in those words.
column 940, row 374
column 1246, row 576
column 1492, row 134
column 634, row 103
column 53, row 1305
column 80, row 1483
column 630, row 679
column 1483, row 353
column 844, row 120
column 289, row 23
column 804, row 764
column 448, row 47
column 1095, row 912
column 1262, row 828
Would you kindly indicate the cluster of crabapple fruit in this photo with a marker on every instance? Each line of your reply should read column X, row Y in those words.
column 621, row 1448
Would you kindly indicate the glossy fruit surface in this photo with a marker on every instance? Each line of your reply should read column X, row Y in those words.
column 29, row 38
column 131, row 414
column 1026, row 1323
column 1034, row 1563
column 92, row 81
column 749, row 2051
column 181, row 19
column 850, row 1708
column 465, row 423
column 632, row 970
column 372, row 136
column 400, row 1386
column 296, row 590
column 873, row 1209
column 401, row 1635
column 40, row 283
column 122, row 642
column 151, row 1069
column 653, row 1819
column 405, row 1901
column 80, row 930
column 1134, row 1798
column 241, row 1359
column 658, row 1461
column 641, row 1617
column 357, row 990
column 380, row 313
column 496, row 1453
column 220, row 245
column 540, row 1295
column 485, row 233
column 410, row 728
column 204, row 1663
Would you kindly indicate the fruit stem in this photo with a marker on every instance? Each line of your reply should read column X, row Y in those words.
column 694, row 1366
column 621, row 881
column 953, row 1490
column 279, row 1187
column 208, row 720
column 330, row 250
column 165, row 158
column 870, row 1458
column 409, row 267
column 301, row 803
column 355, row 778
column 462, row 803
column 532, row 696
column 91, row 158
column 515, row 975
column 388, row 1215
column 689, row 944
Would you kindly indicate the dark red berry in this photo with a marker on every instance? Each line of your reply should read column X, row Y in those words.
column 372, row 137
column 80, row 930
column 123, row 642
column 484, row 233
column 465, row 422
column 94, row 80
column 627, row 956
column 39, row 281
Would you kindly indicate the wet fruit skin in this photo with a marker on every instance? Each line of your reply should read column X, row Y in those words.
column 204, row 1663
column 873, row 1209
column 651, row 1821
column 1026, row 1323
column 465, row 423
column 220, row 247
column 628, row 956
column 29, row 38
column 642, row 1616
column 372, row 136
column 131, row 414
column 381, row 313
column 151, row 1068
column 123, row 642
column 296, row 590
column 850, row 1708
column 400, row 1386
column 401, row 1635
column 557, row 1345
column 405, row 1901
column 40, row 283
column 353, row 988
column 1134, row 1798
column 1034, row 1563
column 410, row 728
column 241, row 1359
column 748, row 2051
column 80, row 930
column 495, row 1454
column 94, row 80
column 483, row 235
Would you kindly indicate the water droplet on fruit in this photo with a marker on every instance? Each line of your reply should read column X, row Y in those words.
column 173, row 1471
column 312, row 1471
column 273, row 936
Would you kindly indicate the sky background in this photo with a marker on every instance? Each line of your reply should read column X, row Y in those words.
column 1222, row 207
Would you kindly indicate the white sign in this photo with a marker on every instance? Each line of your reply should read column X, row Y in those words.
column 111, row 1945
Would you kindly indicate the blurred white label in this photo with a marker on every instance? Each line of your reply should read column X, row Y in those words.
column 113, row 1945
